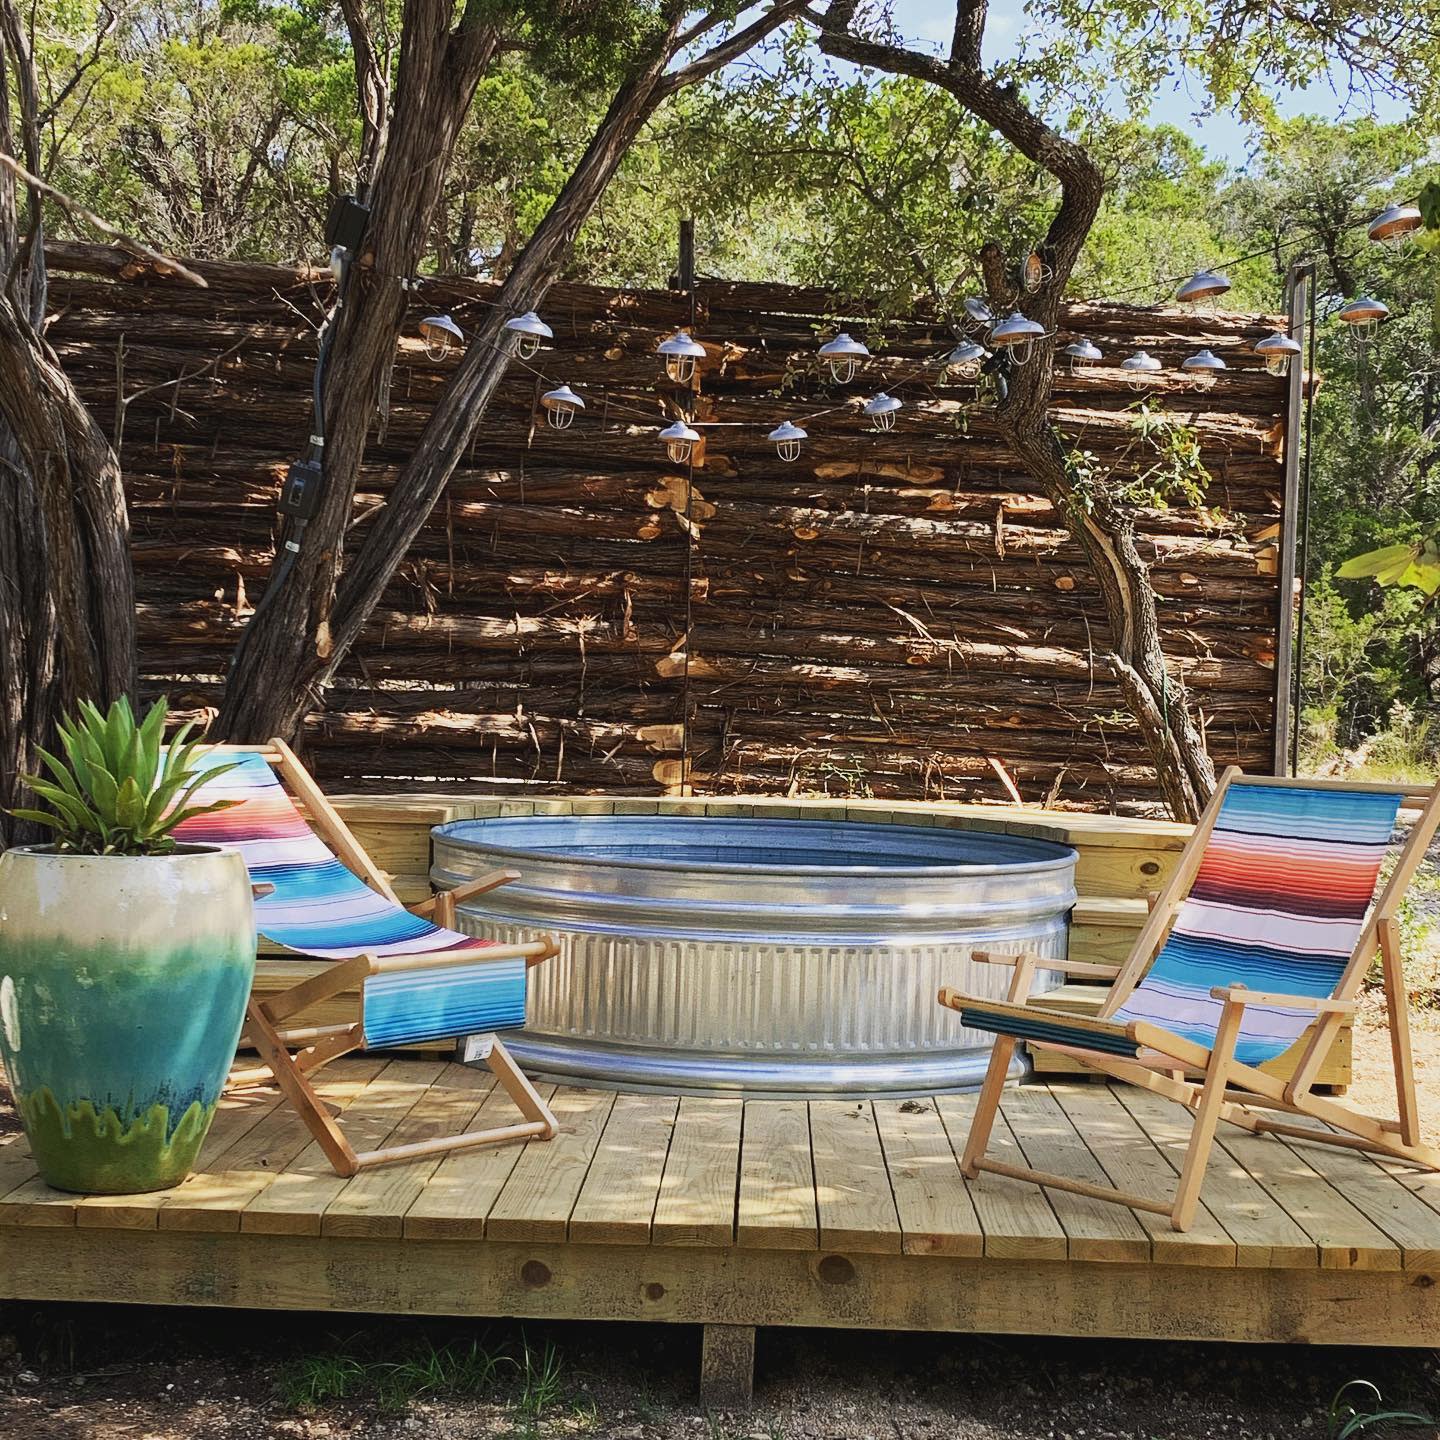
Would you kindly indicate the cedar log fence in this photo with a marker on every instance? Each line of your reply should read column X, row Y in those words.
column 895, row 614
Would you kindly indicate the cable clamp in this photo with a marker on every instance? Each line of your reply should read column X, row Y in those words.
column 318, row 441
column 292, row 546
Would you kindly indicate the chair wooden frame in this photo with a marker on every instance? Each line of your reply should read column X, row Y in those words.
column 1223, row 1088
column 289, row 1057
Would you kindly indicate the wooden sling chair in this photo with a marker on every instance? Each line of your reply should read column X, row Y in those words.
column 418, row 978
column 1266, row 928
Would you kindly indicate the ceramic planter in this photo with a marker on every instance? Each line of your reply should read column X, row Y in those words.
column 123, row 982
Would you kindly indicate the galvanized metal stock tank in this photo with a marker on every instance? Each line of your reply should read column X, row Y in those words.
column 771, row 956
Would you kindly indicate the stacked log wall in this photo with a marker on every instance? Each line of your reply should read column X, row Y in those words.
column 899, row 614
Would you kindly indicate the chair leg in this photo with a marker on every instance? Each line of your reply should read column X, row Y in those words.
column 1397, row 1006
column 987, row 1107
column 1208, row 1111
column 298, row 1091
column 517, row 1086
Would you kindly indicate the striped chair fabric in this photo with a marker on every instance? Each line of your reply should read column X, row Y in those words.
column 1277, row 905
column 319, row 907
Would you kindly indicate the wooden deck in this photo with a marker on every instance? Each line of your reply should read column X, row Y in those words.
column 769, row 1212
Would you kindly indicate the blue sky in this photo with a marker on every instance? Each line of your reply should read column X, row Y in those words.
column 1223, row 136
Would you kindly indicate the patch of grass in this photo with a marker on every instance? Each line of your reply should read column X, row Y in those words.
column 540, row 1378
column 1345, row 1421
column 422, row 1371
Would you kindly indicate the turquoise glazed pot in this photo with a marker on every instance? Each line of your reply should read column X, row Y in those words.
column 123, row 983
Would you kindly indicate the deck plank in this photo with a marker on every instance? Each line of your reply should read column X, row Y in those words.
column 539, row 1194
column 1392, row 1207
column 1014, row 1215
column 295, row 1202
column 937, row 1215
column 853, row 1200
column 616, row 1205
column 1131, row 1162
column 1264, row 1235
column 457, row 1196
column 777, row 1178
column 696, row 1204
column 1345, row 1239
column 1095, row 1229
column 375, row 1201
column 211, row 1199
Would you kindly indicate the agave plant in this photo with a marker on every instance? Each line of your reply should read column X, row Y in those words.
column 121, row 792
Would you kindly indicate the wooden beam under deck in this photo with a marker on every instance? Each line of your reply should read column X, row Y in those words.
column 723, row 1213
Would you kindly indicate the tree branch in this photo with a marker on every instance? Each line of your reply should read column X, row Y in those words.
column 76, row 211
column 718, row 56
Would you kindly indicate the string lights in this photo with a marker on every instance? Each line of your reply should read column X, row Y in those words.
column 440, row 334
column 681, row 353
column 1009, row 342
column 843, row 355
column 530, row 332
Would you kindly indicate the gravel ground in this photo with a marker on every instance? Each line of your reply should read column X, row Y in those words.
column 163, row 1376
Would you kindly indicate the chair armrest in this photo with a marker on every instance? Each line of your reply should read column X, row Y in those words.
column 492, row 880
column 1240, row 995
column 1081, row 969
column 533, row 951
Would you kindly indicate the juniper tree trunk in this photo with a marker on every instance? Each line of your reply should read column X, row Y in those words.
column 67, row 600
column 294, row 644
column 1098, row 521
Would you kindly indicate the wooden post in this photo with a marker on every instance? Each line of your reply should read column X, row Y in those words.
column 727, row 1366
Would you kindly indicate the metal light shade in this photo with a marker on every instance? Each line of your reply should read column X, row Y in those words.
column 1395, row 224
column 1139, row 367
column 843, row 355
column 979, row 311
column 561, row 407
column 1202, row 285
column 966, row 358
column 787, row 438
column 882, row 411
column 1017, row 334
column 1277, row 350
column 1203, row 366
column 681, row 353
column 680, row 441
column 440, row 332
column 1364, row 315
column 1083, row 352
column 529, row 330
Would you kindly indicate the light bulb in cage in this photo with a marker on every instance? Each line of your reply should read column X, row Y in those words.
column 965, row 360
column 1082, row 354
column 1140, row 369
column 1203, row 285
column 843, row 355
column 1034, row 272
column 1017, row 335
column 529, row 332
column 1203, row 368
column 1395, row 225
column 882, row 410
column 788, row 438
column 681, row 353
column 1277, row 351
column 1363, row 316
column 680, row 441
column 561, row 407
column 440, row 334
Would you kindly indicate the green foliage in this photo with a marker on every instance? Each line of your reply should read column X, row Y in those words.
column 1417, row 565
column 422, row 1370
column 1344, row 1420
column 119, row 790
column 1161, row 465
